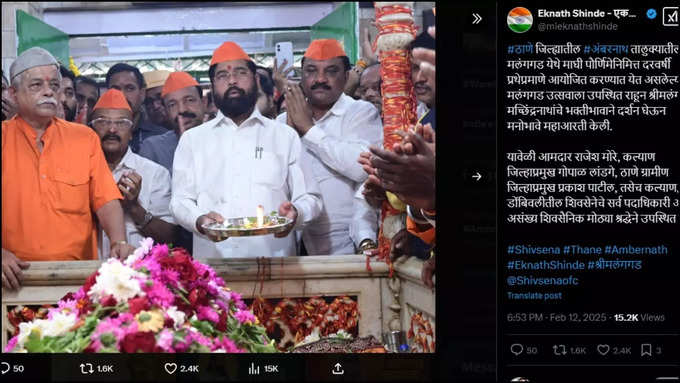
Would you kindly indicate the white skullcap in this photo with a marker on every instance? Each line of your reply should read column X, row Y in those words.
column 31, row 58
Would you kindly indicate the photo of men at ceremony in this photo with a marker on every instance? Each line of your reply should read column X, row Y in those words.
column 218, row 177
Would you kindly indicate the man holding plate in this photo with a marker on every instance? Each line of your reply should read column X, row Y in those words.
column 230, row 165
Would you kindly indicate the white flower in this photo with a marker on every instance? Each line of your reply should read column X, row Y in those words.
column 219, row 351
column 26, row 328
column 134, row 257
column 60, row 324
column 176, row 315
column 118, row 280
column 145, row 246
column 312, row 337
column 342, row 334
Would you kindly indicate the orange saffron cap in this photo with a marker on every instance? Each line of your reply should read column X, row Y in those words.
column 228, row 51
column 112, row 99
column 324, row 49
column 177, row 81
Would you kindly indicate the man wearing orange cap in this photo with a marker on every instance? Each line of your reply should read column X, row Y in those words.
column 334, row 129
column 129, row 80
column 183, row 99
column 54, row 178
column 144, row 184
column 229, row 165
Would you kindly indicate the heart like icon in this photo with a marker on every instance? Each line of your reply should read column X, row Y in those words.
column 603, row 349
column 170, row 368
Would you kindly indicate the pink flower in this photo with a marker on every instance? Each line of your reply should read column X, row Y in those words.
column 183, row 346
column 108, row 334
column 146, row 244
column 227, row 345
column 205, row 312
column 245, row 317
column 151, row 265
column 159, row 251
column 126, row 318
column 80, row 294
column 204, row 271
column 224, row 295
column 236, row 297
column 201, row 339
column 222, row 304
column 11, row 344
column 170, row 277
column 220, row 282
column 159, row 295
column 67, row 306
column 127, row 323
column 165, row 340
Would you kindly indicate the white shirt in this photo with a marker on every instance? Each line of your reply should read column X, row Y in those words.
column 365, row 221
column 216, row 169
column 154, row 196
column 332, row 146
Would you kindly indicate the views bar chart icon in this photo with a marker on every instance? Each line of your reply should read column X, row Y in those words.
column 252, row 370
column 520, row 20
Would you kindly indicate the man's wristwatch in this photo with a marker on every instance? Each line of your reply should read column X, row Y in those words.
column 147, row 218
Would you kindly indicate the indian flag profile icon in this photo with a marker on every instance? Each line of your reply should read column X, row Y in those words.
column 520, row 20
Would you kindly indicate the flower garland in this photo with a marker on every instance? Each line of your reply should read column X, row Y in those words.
column 396, row 30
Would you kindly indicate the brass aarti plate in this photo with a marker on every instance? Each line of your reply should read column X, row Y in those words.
column 247, row 226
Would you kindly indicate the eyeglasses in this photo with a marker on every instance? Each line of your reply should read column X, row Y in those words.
column 239, row 73
column 105, row 123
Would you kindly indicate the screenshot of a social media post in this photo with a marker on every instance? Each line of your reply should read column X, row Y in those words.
column 248, row 191
column 588, row 197
column 196, row 191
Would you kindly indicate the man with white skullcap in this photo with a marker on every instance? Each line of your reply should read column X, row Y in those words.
column 54, row 177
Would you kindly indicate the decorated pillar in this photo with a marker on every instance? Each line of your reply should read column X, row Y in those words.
column 396, row 31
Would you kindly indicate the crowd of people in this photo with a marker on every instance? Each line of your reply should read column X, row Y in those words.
column 88, row 175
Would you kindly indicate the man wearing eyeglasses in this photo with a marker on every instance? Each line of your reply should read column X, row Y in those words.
column 228, row 166
column 54, row 178
column 185, row 105
column 144, row 184
column 129, row 80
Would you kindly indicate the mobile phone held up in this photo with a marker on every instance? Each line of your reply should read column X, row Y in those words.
column 284, row 51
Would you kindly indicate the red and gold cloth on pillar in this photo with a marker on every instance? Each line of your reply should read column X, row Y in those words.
column 396, row 31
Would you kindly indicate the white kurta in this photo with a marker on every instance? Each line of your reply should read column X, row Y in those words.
column 332, row 146
column 231, row 169
column 154, row 197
